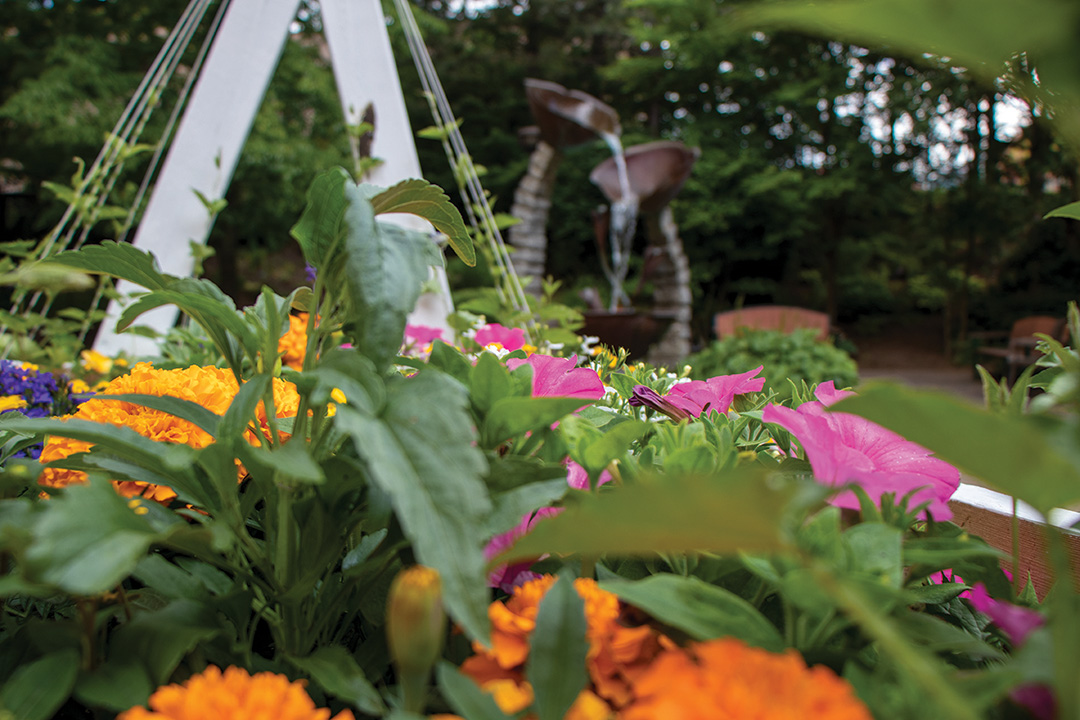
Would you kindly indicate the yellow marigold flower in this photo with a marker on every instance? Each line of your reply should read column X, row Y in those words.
column 726, row 679
column 618, row 652
column 12, row 402
column 30, row 366
column 95, row 362
column 213, row 388
column 78, row 386
column 232, row 695
column 293, row 344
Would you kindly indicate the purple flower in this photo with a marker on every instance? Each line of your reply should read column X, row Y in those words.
column 309, row 269
column 844, row 448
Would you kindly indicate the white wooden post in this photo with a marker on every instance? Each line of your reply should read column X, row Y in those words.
column 219, row 115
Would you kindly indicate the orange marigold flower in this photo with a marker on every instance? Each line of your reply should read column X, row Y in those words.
column 293, row 344
column 617, row 654
column 726, row 679
column 232, row 695
column 212, row 387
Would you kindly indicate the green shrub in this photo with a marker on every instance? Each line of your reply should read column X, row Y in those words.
column 798, row 355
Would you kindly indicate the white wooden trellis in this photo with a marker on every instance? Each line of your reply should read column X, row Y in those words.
column 222, row 107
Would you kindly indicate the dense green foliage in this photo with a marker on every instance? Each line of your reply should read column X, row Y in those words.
column 798, row 356
column 838, row 176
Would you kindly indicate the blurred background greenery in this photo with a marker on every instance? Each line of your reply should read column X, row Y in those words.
column 835, row 174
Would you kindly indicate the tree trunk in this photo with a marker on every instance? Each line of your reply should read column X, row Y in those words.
column 532, row 202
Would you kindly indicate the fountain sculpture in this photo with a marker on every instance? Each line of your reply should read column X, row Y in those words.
column 643, row 179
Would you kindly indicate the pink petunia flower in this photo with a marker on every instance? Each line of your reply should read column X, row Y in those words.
column 422, row 335
column 508, row 577
column 698, row 397
column 495, row 334
column 844, row 448
column 1015, row 621
column 578, row 478
column 560, row 377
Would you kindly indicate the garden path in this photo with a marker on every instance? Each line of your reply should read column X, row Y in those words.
column 912, row 355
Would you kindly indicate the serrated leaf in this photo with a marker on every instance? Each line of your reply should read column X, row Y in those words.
column 421, row 453
column 421, row 198
column 88, row 540
column 383, row 267
column 320, row 226
column 556, row 665
column 120, row 260
column 701, row 610
column 740, row 511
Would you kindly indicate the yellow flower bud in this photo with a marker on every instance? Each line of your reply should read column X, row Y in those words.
column 415, row 629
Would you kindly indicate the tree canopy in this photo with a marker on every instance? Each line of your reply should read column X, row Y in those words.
column 834, row 175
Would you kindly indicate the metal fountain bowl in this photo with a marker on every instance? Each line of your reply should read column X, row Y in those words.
column 569, row 117
column 657, row 171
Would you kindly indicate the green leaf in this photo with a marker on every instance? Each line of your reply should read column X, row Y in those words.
column 556, row 665
column 489, row 382
column 383, row 267
column 1072, row 210
column 193, row 412
column 613, row 444
column 875, row 549
column 115, row 686
column 514, row 416
column 421, row 452
column 740, row 511
column 88, row 540
column 428, row 201
column 1004, row 451
column 337, row 672
column 701, row 610
column 37, row 690
column 158, row 640
column 320, row 226
column 465, row 697
column 120, row 260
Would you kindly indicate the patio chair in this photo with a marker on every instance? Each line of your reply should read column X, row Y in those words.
column 1020, row 350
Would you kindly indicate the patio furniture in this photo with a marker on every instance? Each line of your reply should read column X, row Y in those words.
column 1020, row 349
column 785, row 318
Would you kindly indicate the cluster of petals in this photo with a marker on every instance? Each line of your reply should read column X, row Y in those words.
column 618, row 651
column 292, row 346
column 697, row 397
column 560, row 377
column 506, row 338
column 1017, row 623
column 212, row 387
column 844, row 448
column 552, row 377
column 418, row 339
column 232, row 695
column 726, row 679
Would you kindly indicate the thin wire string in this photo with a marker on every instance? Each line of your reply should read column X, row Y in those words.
column 461, row 162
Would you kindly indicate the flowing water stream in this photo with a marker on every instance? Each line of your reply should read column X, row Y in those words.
column 624, row 213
